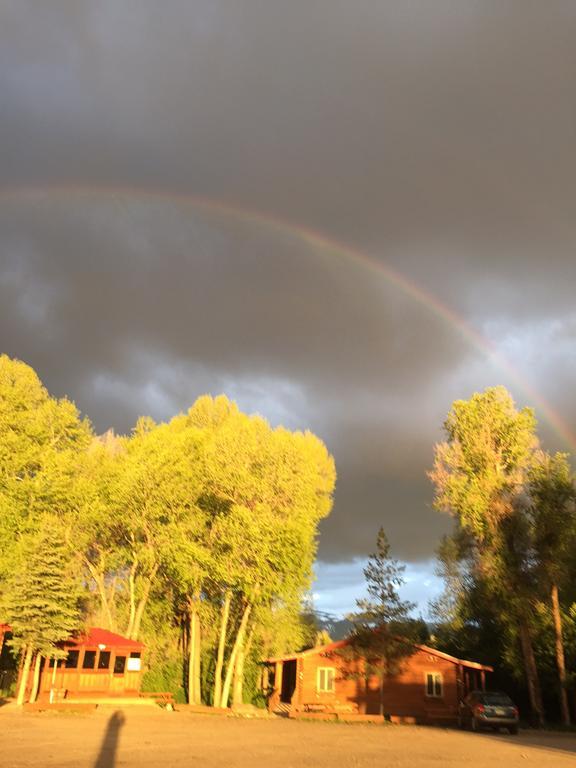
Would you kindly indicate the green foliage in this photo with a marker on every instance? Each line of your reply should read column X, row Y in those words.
column 163, row 523
column 40, row 439
column 513, row 543
column 553, row 514
column 384, row 576
column 383, row 632
column 41, row 599
column 481, row 469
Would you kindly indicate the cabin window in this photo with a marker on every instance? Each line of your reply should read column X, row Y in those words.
column 104, row 660
column 89, row 660
column 434, row 686
column 72, row 660
column 325, row 680
column 134, row 662
column 119, row 664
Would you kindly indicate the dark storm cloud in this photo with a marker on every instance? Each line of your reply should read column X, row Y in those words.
column 436, row 136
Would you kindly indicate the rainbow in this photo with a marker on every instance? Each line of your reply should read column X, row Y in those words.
column 317, row 242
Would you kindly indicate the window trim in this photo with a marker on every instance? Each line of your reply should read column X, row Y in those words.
column 331, row 677
column 93, row 667
column 116, row 658
column 69, row 658
column 437, row 679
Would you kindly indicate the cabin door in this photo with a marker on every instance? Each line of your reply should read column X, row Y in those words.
column 288, row 681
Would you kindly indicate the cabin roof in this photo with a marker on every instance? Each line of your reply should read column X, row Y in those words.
column 95, row 636
column 326, row 649
column 98, row 636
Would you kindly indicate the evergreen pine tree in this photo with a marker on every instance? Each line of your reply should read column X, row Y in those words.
column 381, row 637
column 41, row 599
column 384, row 576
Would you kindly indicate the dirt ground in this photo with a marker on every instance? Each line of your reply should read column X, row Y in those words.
column 134, row 738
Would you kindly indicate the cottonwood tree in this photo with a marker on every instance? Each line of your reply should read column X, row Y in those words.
column 211, row 518
column 480, row 476
column 155, row 498
column 553, row 512
column 267, row 490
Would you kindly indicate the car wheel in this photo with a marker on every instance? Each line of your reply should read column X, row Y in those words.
column 513, row 730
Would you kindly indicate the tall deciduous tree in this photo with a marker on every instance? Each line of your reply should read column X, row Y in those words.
column 480, row 475
column 265, row 490
column 156, row 499
column 553, row 512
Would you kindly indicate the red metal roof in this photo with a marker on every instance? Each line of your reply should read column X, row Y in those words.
column 95, row 636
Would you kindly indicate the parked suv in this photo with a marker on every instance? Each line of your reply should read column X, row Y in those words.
column 489, row 709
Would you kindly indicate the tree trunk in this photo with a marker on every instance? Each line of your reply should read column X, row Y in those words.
column 531, row 671
column 197, row 655
column 194, row 640
column 191, row 657
column 560, row 663
column 238, row 684
column 24, row 675
column 238, row 644
column 221, row 645
column 382, row 690
column 101, row 586
column 142, row 603
column 36, row 678
column 132, row 590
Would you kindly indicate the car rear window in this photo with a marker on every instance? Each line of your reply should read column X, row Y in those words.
column 496, row 700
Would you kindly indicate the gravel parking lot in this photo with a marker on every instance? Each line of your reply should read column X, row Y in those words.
column 138, row 738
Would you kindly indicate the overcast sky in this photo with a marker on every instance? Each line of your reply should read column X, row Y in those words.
column 437, row 137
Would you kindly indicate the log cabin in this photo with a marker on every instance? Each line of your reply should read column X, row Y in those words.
column 98, row 664
column 426, row 687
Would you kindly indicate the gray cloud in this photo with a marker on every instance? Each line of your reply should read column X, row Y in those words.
column 436, row 137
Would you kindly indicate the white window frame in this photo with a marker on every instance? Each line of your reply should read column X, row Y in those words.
column 329, row 675
column 437, row 682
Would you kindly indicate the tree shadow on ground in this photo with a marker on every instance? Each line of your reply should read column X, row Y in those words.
column 107, row 755
column 552, row 741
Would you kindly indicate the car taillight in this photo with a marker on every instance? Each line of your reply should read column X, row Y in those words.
column 515, row 710
column 479, row 709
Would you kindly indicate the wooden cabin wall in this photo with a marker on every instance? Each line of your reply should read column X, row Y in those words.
column 404, row 694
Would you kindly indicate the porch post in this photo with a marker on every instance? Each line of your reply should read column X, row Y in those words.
column 274, row 698
column 278, row 678
column 483, row 679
